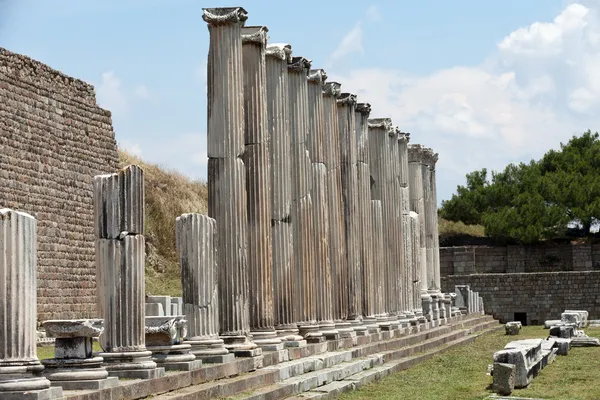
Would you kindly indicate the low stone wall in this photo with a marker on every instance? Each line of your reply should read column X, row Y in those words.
column 542, row 295
column 544, row 257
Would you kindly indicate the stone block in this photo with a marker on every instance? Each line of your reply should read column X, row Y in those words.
column 164, row 301
column 526, row 355
column 513, row 328
column 504, row 378
column 551, row 322
column 154, row 310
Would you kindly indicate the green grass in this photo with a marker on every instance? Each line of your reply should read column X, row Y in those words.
column 460, row 373
column 44, row 352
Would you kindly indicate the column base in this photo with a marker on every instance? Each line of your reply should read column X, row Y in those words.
column 328, row 330
column 345, row 329
column 52, row 393
column 96, row 384
column 267, row 340
column 241, row 346
column 310, row 332
column 134, row 365
column 209, row 351
column 78, row 374
column 372, row 325
column 177, row 357
column 358, row 327
column 288, row 333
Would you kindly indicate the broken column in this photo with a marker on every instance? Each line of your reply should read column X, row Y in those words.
column 227, row 198
column 406, row 231
column 417, row 204
column 278, row 125
column 74, row 366
column 350, row 197
column 196, row 237
column 365, row 225
column 319, row 195
column 19, row 366
column 120, row 262
column 337, row 240
column 165, row 339
column 302, row 205
column 258, row 183
column 382, row 188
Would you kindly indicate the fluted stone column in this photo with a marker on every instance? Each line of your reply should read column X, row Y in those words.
column 196, row 237
column 416, row 265
column 19, row 364
column 407, row 250
column 319, row 194
column 383, row 188
column 350, row 195
column 337, row 239
column 379, row 264
column 280, row 147
column 227, row 197
column 120, row 261
column 258, row 183
column 436, row 232
column 365, row 228
column 302, row 204
column 416, row 153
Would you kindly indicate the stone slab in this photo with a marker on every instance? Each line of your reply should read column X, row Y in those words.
column 217, row 359
column 182, row 365
column 96, row 384
column 53, row 393
column 504, row 378
column 138, row 373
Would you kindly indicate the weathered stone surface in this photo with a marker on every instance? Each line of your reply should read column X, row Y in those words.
column 121, row 292
column 350, row 197
column 526, row 356
column 119, row 203
column 378, row 261
column 225, row 82
column 43, row 108
column 18, row 260
column 196, row 238
column 337, row 239
column 277, row 57
column 415, row 224
column 162, row 331
column 512, row 328
column 74, row 328
column 504, row 378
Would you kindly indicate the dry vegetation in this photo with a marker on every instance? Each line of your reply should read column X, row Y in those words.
column 168, row 195
column 451, row 228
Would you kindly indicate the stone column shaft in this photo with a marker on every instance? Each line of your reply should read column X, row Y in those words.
column 196, row 237
column 18, row 304
column 337, row 240
column 350, row 194
column 302, row 205
column 378, row 262
column 407, row 250
column 436, row 232
column 365, row 229
column 284, row 281
column 417, row 204
column 382, row 189
column 415, row 263
column 319, row 193
column 258, row 183
column 397, row 267
column 227, row 196
column 429, row 220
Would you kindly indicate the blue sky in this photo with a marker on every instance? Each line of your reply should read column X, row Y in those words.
column 483, row 83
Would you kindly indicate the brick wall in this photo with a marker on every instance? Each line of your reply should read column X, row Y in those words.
column 542, row 295
column 519, row 258
column 53, row 140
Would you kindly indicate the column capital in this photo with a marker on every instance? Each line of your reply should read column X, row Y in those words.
column 224, row 15
column 317, row 76
column 346, row 99
column 255, row 34
column 282, row 51
column 299, row 64
column 332, row 89
column 402, row 136
column 385, row 123
column 415, row 153
column 429, row 157
column 363, row 108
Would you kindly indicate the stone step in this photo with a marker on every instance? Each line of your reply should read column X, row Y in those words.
column 356, row 381
column 367, row 372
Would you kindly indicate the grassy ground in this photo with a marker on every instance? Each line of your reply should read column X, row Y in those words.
column 168, row 195
column 461, row 374
column 44, row 352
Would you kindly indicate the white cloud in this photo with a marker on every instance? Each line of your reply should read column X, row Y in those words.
column 132, row 148
column 539, row 88
column 351, row 43
column 373, row 13
column 110, row 94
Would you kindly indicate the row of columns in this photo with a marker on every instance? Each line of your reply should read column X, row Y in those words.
column 320, row 179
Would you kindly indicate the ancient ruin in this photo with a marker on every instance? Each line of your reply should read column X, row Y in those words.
column 319, row 254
